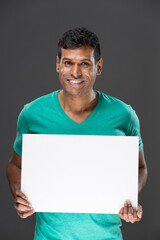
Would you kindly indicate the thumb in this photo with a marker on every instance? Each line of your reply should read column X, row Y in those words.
column 139, row 212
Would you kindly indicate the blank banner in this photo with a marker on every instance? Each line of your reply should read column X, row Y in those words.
column 79, row 173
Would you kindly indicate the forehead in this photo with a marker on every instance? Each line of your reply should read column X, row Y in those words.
column 77, row 54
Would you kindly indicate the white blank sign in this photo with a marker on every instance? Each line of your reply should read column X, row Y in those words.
column 79, row 173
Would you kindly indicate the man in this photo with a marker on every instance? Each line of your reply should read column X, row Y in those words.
column 76, row 109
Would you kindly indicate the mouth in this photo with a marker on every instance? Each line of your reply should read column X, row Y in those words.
column 75, row 83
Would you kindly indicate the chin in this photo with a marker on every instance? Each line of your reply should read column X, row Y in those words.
column 75, row 93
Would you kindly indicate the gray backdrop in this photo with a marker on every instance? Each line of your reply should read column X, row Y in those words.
column 129, row 36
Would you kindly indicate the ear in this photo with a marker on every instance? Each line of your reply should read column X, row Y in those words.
column 57, row 64
column 99, row 66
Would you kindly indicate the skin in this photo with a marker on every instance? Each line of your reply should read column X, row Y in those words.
column 78, row 100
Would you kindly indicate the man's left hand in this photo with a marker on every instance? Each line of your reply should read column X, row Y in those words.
column 129, row 213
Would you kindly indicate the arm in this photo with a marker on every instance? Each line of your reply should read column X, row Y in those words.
column 24, row 208
column 129, row 213
column 143, row 172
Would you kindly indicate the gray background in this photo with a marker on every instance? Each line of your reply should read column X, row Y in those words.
column 129, row 36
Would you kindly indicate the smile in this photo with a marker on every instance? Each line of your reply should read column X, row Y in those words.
column 75, row 81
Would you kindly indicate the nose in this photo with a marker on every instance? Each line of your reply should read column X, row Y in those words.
column 76, row 71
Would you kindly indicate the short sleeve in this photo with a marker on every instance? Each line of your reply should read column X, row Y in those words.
column 134, row 128
column 22, row 128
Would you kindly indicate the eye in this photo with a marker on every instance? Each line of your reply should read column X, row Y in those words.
column 85, row 64
column 68, row 63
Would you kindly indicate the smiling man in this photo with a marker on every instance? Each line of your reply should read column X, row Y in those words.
column 81, row 110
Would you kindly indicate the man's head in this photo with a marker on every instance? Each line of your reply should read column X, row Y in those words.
column 79, row 37
column 78, row 61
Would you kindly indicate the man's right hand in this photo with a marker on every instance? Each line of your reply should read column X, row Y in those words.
column 21, row 203
column 23, row 207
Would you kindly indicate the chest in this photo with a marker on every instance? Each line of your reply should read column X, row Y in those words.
column 78, row 118
column 52, row 121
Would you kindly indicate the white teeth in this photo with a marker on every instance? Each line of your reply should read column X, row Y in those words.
column 74, row 81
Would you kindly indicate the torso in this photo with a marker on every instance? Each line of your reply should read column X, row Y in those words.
column 46, row 116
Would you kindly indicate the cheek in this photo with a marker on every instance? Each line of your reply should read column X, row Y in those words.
column 63, row 73
column 91, row 74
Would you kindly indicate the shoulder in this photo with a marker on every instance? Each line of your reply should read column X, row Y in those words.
column 116, row 105
column 39, row 103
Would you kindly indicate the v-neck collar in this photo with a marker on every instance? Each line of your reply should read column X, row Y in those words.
column 88, row 119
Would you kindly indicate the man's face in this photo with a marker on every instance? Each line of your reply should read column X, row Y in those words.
column 77, row 70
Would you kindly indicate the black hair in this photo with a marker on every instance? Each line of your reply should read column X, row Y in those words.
column 79, row 37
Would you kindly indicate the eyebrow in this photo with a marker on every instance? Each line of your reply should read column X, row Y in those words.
column 86, row 59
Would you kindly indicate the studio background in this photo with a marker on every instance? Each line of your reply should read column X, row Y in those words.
column 129, row 36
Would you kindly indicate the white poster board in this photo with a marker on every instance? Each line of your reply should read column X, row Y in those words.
column 79, row 173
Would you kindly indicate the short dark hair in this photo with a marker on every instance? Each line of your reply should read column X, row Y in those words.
column 78, row 37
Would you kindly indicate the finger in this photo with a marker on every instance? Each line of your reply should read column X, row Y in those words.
column 20, row 194
column 21, row 207
column 130, row 211
column 138, row 219
column 126, row 211
column 121, row 213
column 139, row 211
column 22, row 201
column 135, row 218
column 25, row 214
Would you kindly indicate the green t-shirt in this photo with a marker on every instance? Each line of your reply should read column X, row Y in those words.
column 46, row 116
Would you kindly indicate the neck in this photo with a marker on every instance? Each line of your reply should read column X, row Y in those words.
column 78, row 104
